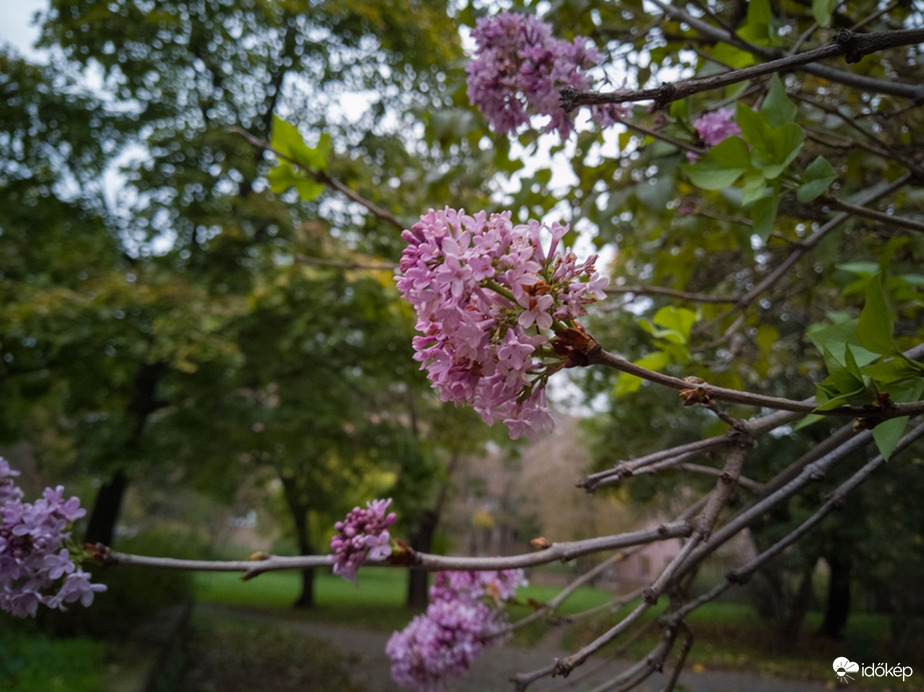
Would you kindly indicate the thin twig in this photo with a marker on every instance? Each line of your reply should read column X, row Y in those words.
column 670, row 293
column 875, row 215
column 323, row 178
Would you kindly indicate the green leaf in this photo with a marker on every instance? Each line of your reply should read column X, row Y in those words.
column 737, row 58
column 844, row 372
column 888, row 433
column 721, row 166
column 757, row 28
column 822, row 11
column 837, row 336
column 676, row 323
column 754, row 187
column 285, row 176
column 874, row 328
column 288, row 141
column 763, row 215
column 777, row 109
column 774, row 148
column 784, row 145
column 817, row 177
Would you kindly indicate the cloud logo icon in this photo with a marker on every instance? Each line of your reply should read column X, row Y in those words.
column 843, row 666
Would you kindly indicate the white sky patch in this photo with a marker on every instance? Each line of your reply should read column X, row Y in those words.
column 18, row 29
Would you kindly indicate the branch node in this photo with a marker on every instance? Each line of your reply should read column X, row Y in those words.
column 567, row 98
column 665, row 95
column 848, row 39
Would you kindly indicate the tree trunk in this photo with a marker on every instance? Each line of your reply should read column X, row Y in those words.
column 108, row 503
column 298, row 508
column 837, row 606
column 106, row 507
column 418, row 582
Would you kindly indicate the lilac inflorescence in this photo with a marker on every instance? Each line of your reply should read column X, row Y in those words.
column 520, row 67
column 36, row 566
column 486, row 293
column 464, row 617
column 363, row 534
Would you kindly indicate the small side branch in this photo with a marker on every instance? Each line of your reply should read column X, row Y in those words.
column 324, row 179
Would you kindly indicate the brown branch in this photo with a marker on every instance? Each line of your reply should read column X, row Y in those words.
column 853, row 46
column 741, row 574
column 915, row 92
column 700, row 391
column 875, row 215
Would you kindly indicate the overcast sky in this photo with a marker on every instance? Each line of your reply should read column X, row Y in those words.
column 16, row 25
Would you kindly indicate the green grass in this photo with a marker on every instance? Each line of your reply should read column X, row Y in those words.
column 32, row 662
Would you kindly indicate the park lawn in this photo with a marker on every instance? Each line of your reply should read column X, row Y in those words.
column 727, row 635
column 33, row 662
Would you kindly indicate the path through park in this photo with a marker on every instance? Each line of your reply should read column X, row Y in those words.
column 369, row 665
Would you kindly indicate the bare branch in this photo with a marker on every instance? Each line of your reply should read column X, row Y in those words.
column 915, row 92
column 846, row 43
column 262, row 562
column 699, row 391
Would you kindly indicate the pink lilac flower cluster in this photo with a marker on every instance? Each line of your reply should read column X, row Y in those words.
column 35, row 565
column 362, row 534
column 715, row 127
column 464, row 616
column 486, row 293
column 519, row 64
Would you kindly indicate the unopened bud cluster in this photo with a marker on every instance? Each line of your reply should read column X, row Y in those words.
column 362, row 535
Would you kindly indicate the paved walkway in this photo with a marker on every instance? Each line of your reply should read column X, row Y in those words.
column 492, row 670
